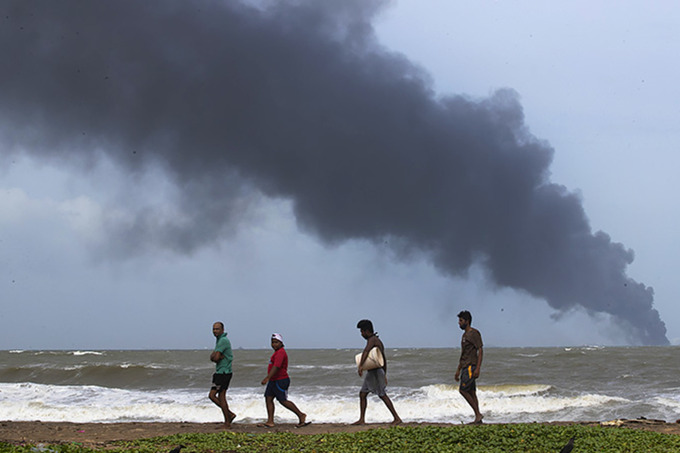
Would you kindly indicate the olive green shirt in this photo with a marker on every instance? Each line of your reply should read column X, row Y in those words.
column 470, row 345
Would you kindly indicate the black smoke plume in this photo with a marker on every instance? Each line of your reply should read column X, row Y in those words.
column 298, row 100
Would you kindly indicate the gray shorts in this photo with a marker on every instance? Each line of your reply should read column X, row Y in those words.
column 374, row 382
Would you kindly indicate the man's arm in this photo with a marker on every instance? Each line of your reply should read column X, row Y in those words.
column 370, row 344
column 456, row 376
column 271, row 374
column 222, row 350
column 480, row 356
column 381, row 347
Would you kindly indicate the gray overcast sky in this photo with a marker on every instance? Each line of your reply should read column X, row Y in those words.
column 89, row 259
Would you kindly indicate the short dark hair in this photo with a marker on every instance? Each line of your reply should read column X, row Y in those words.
column 466, row 316
column 365, row 324
column 220, row 323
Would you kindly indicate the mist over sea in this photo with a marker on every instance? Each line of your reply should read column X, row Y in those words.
column 516, row 385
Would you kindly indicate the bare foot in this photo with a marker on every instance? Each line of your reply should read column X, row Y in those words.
column 302, row 421
column 232, row 416
column 265, row 425
column 396, row 421
column 359, row 422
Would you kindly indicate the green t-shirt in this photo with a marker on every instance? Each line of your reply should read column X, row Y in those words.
column 223, row 345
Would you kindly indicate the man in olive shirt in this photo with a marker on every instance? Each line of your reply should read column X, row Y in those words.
column 222, row 356
column 470, row 363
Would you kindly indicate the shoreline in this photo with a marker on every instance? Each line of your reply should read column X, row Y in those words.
column 97, row 434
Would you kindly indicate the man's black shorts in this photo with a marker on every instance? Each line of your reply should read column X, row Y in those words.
column 467, row 382
column 278, row 389
column 221, row 381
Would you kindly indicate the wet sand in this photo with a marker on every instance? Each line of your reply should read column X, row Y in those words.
column 100, row 434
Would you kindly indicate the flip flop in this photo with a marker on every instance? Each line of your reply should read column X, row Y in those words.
column 302, row 425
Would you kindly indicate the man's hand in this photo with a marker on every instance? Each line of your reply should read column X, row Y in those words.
column 475, row 374
column 360, row 371
column 270, row 375
column 456, row 377
column 216, row 356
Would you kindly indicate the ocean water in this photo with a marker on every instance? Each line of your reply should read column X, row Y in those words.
column 516, row 385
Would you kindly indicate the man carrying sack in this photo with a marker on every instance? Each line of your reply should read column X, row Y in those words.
column 375, row 380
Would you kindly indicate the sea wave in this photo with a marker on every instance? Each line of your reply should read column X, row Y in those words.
column 508, row 390
column 56, row 353
column 125, row 375
column 323, row 367
column 438, row 391
column 437, row 403
column 173, row 385
column 585, row 349
column 671, row 401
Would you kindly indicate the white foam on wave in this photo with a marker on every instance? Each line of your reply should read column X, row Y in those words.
column 585, row 348
column 670, row 400
column 30, row 401
column 444, row 391
column 546, row 404
column 511, row 402
column 434, row 403
column 509, row 390
column 81, row 353
column 146, row 366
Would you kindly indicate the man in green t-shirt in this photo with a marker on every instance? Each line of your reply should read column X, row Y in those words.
column 222, row 356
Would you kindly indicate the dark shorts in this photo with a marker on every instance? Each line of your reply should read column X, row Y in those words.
column 221, row 382
column 467, row 382
column 278, row 389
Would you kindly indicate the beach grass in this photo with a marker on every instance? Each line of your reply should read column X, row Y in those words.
column 485, row 438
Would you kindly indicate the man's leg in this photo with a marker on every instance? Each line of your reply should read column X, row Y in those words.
column 388, row 402
column 213, row 396
column 220, row 399
column 363, row 403
column 478, row 415
column 471, row 398
column 229, row 416
column 269, row 402
column 302, row 417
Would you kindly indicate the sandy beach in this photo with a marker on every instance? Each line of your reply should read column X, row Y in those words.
column 101, row 434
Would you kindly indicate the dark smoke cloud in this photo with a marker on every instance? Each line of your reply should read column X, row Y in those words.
column 299, row 101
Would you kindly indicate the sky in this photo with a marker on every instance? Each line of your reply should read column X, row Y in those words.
column 296, row 168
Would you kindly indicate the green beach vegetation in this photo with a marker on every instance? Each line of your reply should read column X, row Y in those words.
column 484, row 438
